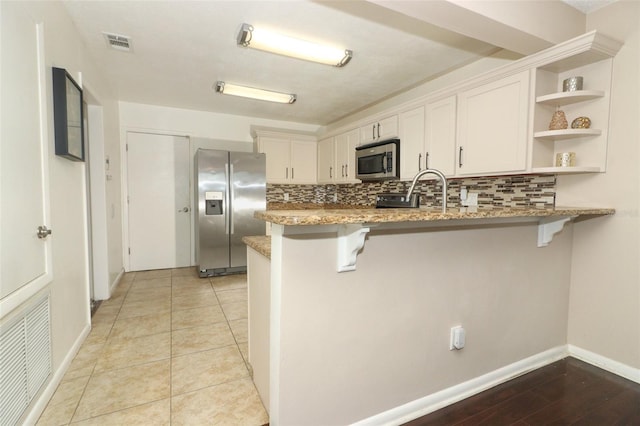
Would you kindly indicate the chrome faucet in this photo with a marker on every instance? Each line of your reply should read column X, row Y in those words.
column 443, row 179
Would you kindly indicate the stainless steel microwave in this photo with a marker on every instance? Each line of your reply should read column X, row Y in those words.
column 378, row 160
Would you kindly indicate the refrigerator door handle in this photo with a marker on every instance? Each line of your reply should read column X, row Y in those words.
column 225, row 211
column 232, row 198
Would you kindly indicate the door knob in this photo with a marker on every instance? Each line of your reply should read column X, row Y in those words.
column 43, row 232
column 184, row 210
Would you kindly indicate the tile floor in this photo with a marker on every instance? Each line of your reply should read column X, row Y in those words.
column 168, row 348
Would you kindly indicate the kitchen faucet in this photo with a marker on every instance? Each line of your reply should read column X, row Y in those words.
column 442, row 179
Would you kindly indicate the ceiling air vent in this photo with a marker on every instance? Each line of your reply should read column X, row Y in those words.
column 118, row 42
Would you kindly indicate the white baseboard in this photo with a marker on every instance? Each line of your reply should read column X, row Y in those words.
column 43, row 399
column 605, row 363
column 115, row 282
column 430, row 403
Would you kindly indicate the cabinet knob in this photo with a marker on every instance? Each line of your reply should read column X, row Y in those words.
column 43, row 232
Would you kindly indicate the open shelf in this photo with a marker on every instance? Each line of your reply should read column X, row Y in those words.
column 566, row 170
column 567, row 98
column 566, row 134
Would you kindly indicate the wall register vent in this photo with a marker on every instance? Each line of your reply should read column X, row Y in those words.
column 25, row 351
column 118, row 42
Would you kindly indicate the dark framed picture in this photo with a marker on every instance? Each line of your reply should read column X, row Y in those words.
column 67, row 116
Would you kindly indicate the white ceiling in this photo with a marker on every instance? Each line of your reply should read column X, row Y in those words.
column 181, row 48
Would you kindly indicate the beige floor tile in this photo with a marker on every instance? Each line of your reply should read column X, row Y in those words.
column 193, row 300
column 116, row 300
column 190, row 282
column 180, row 293
column 232, row 296
column 149, row 275
column 235, row 311
column 229, row 282
column 240, row 330
column 199, row 370
column 142, row 308
column 125, row 388
column 99, row 333
column 129, row 328
column 64, row 401
column 234, row 403
column 157, row 413
column 105, row 314
column 195, row 317
column 149, row 294
column 122, row 353
column 151, row 283
column 84, row 361
column 191, row 271
column 197, row 339
column 244, row 350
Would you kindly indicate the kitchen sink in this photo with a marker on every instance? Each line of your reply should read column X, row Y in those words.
column 397, row 200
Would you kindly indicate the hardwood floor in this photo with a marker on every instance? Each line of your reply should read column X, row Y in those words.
column 567, row 392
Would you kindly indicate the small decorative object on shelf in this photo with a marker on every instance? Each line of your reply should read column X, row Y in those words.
column 581, row 123
column 558, row 121
column 565, row 159
column 572, row 84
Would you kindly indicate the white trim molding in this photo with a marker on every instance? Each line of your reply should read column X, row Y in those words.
column 608, row 364
column 430, row 403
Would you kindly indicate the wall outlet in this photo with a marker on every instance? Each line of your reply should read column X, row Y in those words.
column 457, row 338
column 286, row 196
column 471, row 199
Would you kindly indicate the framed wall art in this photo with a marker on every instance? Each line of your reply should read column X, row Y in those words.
column 67, row 116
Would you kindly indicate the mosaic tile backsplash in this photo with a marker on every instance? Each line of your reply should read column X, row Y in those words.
column 505, row 191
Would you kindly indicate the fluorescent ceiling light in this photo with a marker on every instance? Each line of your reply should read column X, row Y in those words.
column 288, row 46
column 253, row 93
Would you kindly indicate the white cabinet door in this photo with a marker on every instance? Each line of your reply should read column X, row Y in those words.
column 412, row 154
column 26, row 261
column 345, row 148
column 440, row 140
column 492, row 127
column 326, row 156
column 303, row 161
column 380, row 130
column 159, row 202
column 277, row 152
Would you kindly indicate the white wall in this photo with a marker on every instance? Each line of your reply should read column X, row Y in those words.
column 70, row 318
column 604, row 315
column 371, row 340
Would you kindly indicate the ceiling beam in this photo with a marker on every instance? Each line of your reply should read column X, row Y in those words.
column 521, row 26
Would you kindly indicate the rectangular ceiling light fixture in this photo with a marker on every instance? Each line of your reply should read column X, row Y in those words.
column 288, row 46
column 253, row 93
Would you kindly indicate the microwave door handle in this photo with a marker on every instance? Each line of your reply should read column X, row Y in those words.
column 384, row 163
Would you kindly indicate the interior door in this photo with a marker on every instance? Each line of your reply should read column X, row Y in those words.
column 159, row 205
column 25, row 257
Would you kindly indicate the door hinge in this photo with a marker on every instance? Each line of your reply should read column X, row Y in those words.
column 126, row 146
column 127, row 199
column 129, row 250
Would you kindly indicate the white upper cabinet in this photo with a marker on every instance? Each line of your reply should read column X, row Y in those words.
column 440, row 140
column 326, row 161
column 290, row 158
column 345, row 155
column 428, row 138
column 492, row 127
column 379, row 130
column 412, row 151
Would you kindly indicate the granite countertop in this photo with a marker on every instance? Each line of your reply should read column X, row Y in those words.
column 261, row 244
column 372, row 215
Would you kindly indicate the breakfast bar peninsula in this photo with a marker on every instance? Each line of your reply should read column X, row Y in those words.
column 351, row 310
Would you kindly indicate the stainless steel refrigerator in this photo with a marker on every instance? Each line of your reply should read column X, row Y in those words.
column 230, row 187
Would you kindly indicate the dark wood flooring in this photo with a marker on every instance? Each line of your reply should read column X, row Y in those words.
column 567, row 392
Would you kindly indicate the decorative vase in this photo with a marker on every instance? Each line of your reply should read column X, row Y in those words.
column 581, row 123
column 558, row 121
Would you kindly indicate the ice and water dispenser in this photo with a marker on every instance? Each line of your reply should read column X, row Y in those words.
column 213, row 203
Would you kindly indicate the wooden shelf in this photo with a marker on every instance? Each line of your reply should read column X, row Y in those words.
column 566, row 134
column 566, row 170
column 566, row 98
